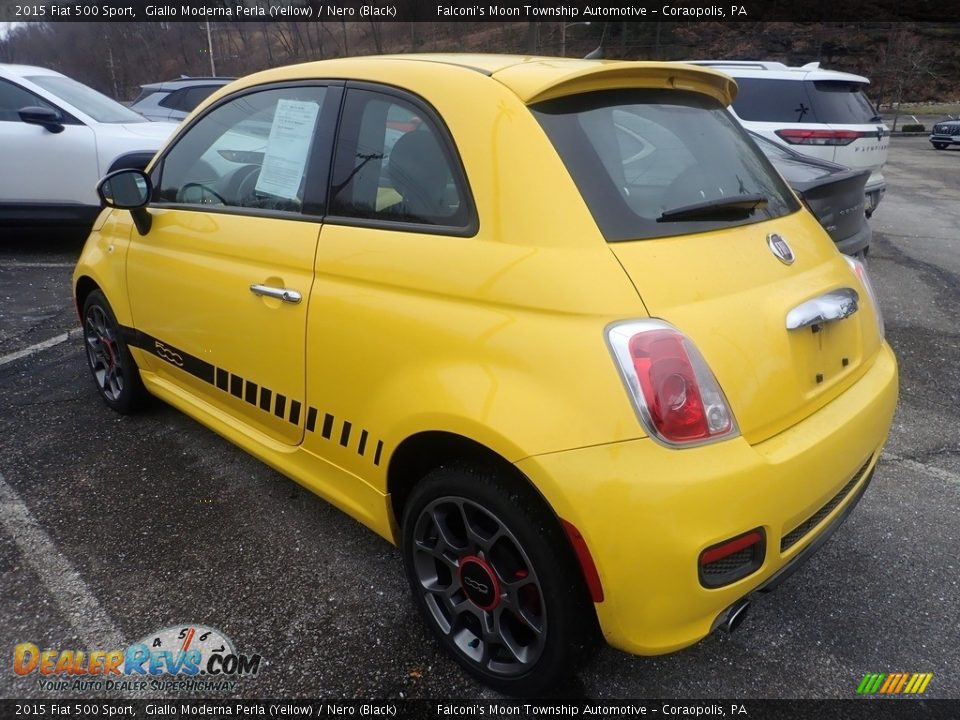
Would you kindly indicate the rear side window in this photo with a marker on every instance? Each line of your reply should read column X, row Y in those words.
column 837, row 102
column 186, row 99
column 394, row 164
column 639, row 156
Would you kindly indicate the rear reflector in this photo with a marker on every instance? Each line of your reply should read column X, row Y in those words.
column 732, row 559
column 589, row 568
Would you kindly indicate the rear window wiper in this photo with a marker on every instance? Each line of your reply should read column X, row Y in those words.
column 734, row 207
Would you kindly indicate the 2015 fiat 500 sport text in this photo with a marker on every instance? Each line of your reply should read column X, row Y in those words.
column 556, row 328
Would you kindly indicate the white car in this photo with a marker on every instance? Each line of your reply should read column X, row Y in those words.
column 58, row 137
column 823, row 113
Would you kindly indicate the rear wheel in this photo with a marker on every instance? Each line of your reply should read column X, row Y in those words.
column 493, row 576
column 108, row 357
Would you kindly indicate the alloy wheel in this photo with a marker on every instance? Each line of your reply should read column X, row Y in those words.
column 479, row 585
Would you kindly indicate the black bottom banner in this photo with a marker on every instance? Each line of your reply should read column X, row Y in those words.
column 863, row 709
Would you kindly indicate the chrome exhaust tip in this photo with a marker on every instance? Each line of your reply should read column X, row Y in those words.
column 735, row 616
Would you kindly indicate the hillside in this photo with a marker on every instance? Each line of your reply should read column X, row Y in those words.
column 905, row 61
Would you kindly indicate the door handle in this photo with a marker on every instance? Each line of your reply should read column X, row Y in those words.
column 285, row 294
column 829, row 307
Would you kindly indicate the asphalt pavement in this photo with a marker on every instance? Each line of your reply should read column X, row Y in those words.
column 113, row 528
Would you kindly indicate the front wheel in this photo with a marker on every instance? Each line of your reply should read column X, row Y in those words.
column 108, row 357
column 940, row 146
column 493, row 576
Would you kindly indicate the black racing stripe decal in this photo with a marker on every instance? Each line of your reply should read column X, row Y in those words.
column 249, row 391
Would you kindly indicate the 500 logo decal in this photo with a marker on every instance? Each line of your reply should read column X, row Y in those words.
column 187, row 651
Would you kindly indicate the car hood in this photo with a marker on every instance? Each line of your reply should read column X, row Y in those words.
column 157, row 130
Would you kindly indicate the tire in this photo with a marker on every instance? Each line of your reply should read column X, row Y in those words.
column 114, row 371
column 494, row 577
column 940, row 146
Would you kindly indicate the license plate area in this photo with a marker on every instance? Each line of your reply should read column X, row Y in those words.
column 826, row 353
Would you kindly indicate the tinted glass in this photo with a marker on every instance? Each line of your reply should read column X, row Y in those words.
column 637, row 154
column 791, row 101
column 839, row 102
column 13, row 98
column 87, row 100
column 251, row 152
column 186, row 99
column 783, row 101
column 393, row 164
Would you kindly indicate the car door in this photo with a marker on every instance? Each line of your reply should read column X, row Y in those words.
column 219, row 286
column 397, row 226
column 35, row 159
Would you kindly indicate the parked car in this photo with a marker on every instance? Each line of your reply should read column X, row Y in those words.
column 59, row 137
column 175, row 99
column 581, row 383
column 832, row 192
column 822, row 113
column 945, row 133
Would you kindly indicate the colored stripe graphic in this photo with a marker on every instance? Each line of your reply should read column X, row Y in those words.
column 894, row 683
column 253, row 393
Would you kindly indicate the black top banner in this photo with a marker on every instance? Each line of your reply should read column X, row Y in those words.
column 675, row 709
column 477, row 11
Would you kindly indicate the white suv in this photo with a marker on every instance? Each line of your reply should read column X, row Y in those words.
column 818, row 112
column 58, row 137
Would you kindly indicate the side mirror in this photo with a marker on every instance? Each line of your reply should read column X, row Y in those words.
column 49, row 118
column 128, row 189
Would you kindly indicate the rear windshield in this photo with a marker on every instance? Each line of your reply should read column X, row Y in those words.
column 832, row 102
column 637, row 156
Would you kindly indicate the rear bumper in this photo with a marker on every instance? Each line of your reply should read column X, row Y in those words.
column 857, row 242
column 647, row 512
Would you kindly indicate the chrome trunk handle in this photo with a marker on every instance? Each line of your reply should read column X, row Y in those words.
column 829, row 307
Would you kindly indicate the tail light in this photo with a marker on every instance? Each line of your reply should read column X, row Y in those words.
column 675, row 395
column 860, row 270
column 818, row 137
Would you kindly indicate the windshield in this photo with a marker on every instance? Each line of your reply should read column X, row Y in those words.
column 639, row 156
column 87, row 100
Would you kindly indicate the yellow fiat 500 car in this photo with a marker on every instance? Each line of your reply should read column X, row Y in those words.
column 556, row 328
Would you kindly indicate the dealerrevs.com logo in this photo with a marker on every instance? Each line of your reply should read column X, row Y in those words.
column 197, row 657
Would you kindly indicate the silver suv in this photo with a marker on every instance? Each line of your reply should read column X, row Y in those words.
column 175, row 99
column 823, row 113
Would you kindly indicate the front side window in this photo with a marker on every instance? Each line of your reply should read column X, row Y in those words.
column 13, row 98
column 87, row 100
column 251, row 152
column 392, row 164
column 656, row 163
